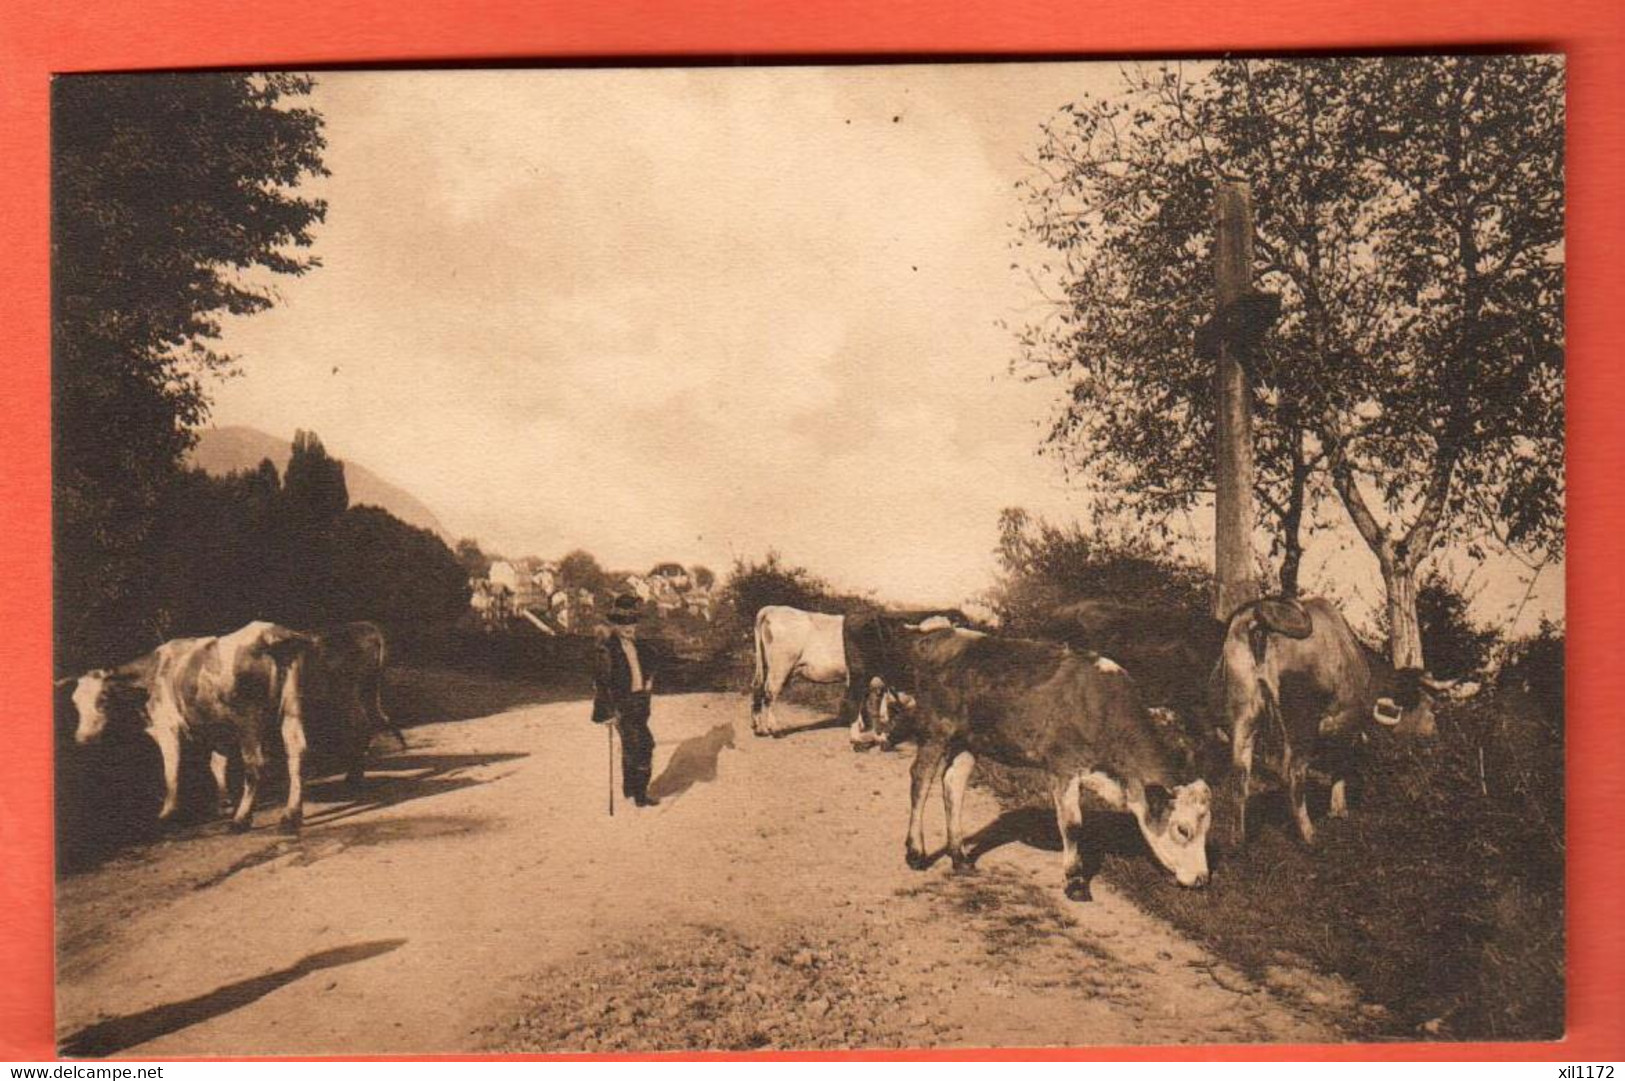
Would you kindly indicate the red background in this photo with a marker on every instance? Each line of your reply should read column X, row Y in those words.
column 37, row 39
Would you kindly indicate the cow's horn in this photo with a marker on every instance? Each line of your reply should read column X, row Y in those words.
column 1428, row 680
column 65, row 681
column 1380, row 712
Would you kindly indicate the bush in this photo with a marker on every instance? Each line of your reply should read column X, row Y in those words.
column 1045, row 566
column 753, row 586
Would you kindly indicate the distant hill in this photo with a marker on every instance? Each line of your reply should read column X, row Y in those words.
column 227, row 450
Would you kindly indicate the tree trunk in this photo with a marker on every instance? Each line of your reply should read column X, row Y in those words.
column 1292, row 520
column 1404, row 626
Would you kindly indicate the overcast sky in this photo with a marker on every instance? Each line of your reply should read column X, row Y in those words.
column 679, row 314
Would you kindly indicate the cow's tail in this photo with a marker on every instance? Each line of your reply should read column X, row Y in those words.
column 289, row 651
column 1259, row 631
column 288, row 648
column 758, row 681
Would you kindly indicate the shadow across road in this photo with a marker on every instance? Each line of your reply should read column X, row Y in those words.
column 121, row 1033
column 395, row 780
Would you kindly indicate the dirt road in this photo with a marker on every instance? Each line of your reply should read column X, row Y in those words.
column 478, row 897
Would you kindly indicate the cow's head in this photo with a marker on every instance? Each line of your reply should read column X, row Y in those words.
column 1175, row 823
column 101, row 697
column 1408, row 709
column 885, row 711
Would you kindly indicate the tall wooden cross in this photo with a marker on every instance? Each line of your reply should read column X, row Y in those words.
column 1242, row 315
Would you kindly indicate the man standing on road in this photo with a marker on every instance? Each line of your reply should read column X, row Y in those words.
column 623, row 685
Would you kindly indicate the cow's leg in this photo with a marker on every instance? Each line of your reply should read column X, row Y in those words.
column 293, row 739
column 861, row 737
column 218, row 766
column 929, row 761
column 1069, row 818
column 1340, row 800
column 169, row 749
column 359, row 735
column 761, row 715
column 373, row 696
column 953, row 800
column 1243, row 709
column 253, row 761
column 1342, row 764
column 768, row 682
column 1296, row 768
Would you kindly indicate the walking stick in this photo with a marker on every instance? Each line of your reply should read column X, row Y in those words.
column 609, row 730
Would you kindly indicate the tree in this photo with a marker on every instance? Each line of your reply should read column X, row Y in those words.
column 704, row 577
column 386, row 570
column 170, row 195
column 1409, row 215
column 314, row 486
column 475, row 561
column 1044, row 566
column 580, row 570
column 755, row 585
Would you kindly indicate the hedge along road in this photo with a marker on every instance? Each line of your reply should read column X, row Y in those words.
column 478, row 896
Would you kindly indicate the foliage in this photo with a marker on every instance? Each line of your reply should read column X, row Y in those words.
column 1409, row 216
column 475, row 562
column 580, row 570
column 753, row 585
column 393, row 573
column 1534, row 666
column 704, row 577
column 168, row 193
column 230, row 550
column 314, row 487
column 1044, row 566
column 1453, row 645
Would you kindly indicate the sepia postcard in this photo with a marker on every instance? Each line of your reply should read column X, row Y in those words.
column 844, row 557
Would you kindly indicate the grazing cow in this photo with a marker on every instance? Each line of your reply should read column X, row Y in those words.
column 1039, row 705
column 341, row 688
column 1299, row 663
column 230, row 692
column 790, row 642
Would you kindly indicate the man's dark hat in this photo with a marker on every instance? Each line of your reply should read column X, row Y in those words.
column 624, row 610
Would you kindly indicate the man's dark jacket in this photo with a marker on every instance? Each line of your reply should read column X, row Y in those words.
column 612, row 674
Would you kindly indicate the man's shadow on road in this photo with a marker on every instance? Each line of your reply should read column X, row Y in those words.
column 693, row 762
column 120, row 1033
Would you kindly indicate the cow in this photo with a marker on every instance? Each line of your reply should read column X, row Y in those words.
column 790, row 642
column 341, row 689
column 1169, row 652
column 1076, row 716
column 867, row 639
column 820, row 648
column 1298, row 663
column 230, row 692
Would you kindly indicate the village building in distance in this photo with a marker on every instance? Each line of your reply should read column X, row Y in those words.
column 534, row 592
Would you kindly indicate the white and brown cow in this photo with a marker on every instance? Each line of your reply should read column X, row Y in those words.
column 1077, row 717
column 233, row 693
